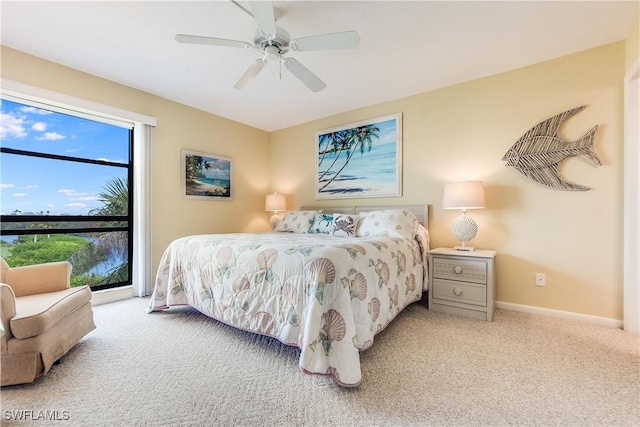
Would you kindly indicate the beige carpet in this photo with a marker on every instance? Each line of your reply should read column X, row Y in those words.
column 182, row 368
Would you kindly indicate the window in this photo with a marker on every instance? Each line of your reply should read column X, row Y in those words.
column 66, row 178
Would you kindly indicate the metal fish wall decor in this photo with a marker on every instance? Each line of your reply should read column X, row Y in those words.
column 539, row 152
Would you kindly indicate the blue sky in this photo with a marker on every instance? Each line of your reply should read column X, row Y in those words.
column 387, row 132
column 218, row 169
column 39, row 185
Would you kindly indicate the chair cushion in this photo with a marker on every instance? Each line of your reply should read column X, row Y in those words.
column 35, row 314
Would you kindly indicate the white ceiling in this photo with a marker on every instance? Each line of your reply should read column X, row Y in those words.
column 406, row 47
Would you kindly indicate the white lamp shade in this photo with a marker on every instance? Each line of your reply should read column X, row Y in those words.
column 275, row 203
column 463, row 195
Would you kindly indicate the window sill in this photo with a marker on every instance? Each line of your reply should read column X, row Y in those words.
column 111, row 295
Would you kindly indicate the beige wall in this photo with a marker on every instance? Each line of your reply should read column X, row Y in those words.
column 462, row 132
column 633, row 46
column 178, row 127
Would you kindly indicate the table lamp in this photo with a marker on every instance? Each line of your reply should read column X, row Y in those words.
column 464, row 195
column 275, row 203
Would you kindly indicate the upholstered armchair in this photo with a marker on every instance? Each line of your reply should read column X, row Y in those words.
column 42, row 319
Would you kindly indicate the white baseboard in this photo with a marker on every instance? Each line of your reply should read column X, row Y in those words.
column 596, row 320
column 111, row 295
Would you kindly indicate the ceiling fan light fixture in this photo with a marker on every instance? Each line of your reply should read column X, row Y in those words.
column 272, row 52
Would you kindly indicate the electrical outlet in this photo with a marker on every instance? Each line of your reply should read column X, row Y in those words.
column 541, row 279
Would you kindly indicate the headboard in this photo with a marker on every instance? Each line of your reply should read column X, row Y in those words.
column 420, row 211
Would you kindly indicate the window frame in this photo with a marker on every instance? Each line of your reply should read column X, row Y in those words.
column 129, row 166
column 141, row 192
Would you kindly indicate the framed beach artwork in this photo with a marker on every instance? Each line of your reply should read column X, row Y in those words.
column 205, row 176
column 361, row 159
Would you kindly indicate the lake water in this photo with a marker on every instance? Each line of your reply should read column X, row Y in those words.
column 102, row 269
column 106, row 267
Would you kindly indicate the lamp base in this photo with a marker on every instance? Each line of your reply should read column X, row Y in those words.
column 464, row 229
column 275, row 219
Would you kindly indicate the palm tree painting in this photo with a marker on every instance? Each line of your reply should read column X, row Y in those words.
column 362, row 159
column 205, row 176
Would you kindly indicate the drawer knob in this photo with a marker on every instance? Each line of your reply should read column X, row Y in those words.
column 457, row 291
column 457, row 269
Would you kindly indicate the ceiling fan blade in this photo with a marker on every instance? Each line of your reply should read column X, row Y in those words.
column 252, row 72
column 265, row 16
column 185, row 38
column 342, row 40
column 303, row 74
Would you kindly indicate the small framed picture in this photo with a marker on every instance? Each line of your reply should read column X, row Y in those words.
column 206, row 176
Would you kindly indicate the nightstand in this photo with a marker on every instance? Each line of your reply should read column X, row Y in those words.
column 462, row 282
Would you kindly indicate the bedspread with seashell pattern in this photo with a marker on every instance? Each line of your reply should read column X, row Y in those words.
column 327, row 295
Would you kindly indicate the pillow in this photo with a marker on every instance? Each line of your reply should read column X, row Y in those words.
column 296, row 221
column 323, row 223
column 388, row 223
column 344, row 225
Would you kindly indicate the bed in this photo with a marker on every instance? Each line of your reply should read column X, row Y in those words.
column 326, row 280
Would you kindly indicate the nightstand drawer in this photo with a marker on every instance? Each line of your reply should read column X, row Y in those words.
column 456, row 269
column 465, row 293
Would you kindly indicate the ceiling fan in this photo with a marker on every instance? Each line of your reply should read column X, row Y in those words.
column 273, row 42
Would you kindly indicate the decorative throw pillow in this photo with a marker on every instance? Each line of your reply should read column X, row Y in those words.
column 344, row 225
column 322, row 223
column 296, row 221
column 390, row 222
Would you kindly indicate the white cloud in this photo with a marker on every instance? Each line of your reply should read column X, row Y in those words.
column 19, row 194
column 105, row 159
column 28, row 187
column 66, row 191
column 76, row 205
column 51, row 136
column 3, row 186
column 11, row 126
column 88, row 198
column 39, row 126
